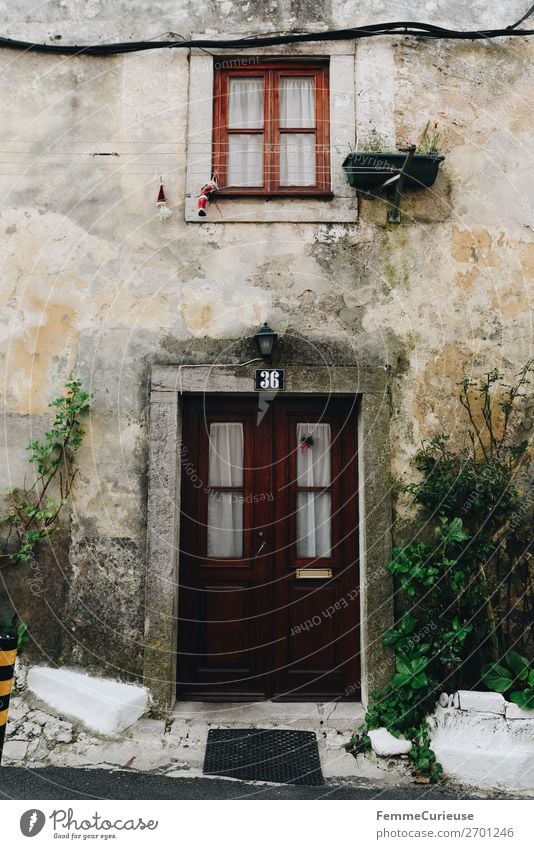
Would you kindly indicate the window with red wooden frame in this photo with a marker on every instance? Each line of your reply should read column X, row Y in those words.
column 271, row 128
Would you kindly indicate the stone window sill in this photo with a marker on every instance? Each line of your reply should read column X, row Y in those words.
column 317, row 209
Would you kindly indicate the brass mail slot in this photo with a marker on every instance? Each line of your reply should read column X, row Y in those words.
column 313, row 573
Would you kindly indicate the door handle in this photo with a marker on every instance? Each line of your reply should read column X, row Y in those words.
column 260, row 549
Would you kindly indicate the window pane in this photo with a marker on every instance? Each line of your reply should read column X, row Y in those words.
column 297, row 102
column 313, row 461
column 225, row 524
column 245, row 160
column 246, row 104
column 226, row 454
column 313, row 524
column 297, row 159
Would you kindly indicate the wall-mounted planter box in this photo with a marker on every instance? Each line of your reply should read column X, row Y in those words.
column 368, row 170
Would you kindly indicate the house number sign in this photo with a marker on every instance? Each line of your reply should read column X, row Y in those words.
column 269, row 379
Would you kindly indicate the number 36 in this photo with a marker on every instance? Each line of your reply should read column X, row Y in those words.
column 269, row 380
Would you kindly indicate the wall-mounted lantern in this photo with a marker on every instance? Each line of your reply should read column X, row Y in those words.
column 265, row 339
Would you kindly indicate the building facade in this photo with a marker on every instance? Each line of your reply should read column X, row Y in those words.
column 376, row 322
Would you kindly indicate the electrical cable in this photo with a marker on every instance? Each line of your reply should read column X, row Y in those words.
column 396, row 28
column 525, row 16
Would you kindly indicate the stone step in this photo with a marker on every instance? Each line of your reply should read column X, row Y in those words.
column 304, row 716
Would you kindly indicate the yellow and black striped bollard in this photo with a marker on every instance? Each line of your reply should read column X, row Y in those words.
column 8, row 653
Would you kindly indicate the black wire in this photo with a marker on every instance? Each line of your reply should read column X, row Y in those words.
column 525, row 16
column 412, row 28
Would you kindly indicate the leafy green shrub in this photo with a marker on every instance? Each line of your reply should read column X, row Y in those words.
column 455, row 608
column 32, row 513
column 9, row 623
column 514, row 675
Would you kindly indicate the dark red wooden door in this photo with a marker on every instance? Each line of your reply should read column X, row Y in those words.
column 269, row 588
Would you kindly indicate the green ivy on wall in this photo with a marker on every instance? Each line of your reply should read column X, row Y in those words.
column 465, row 580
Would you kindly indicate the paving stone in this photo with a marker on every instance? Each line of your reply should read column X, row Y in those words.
column 187, row 754
column 83, row 738
column 38, row 749
column 15, row 750
column 149, row 729
column 386, row 744
column 27, row 731
column 515, row 712
column 198, row 731
column 477, row 700
column 40, row 717
column 179, row 771
column 178, row 729
column 17, row 710
column 21, row 675
column 57, row 730
column 336, row 740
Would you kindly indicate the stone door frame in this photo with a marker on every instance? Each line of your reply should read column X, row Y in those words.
column 168, row 383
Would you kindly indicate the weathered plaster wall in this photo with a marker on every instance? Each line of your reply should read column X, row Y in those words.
column 93, row 284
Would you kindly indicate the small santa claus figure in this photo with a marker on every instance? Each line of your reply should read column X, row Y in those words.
column 163, row 210
column 205, row 195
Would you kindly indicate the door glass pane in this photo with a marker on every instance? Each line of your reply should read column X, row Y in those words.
column 313, row 524
column 245, row 111
column 313, row 461
column 245, row 160
column 226, row 454
column 297, row 102
column 225, row 524
column 297, row 159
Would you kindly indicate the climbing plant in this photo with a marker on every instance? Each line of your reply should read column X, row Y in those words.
column 33, row 512
column 465, row 580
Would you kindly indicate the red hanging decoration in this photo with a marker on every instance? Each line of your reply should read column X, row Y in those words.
column 163, row 210
column 306, row 443
column 206, row 192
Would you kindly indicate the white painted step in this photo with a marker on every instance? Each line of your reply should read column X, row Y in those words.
column 103, row 705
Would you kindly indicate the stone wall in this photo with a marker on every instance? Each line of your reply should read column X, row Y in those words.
column 94, row 285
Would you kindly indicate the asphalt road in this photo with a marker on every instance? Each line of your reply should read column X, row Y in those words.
column 55, row 783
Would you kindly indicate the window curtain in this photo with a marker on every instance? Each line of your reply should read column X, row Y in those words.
column 297, row 159
column 245, row 151
column 225, row 509
column 245, row 160
column 297, row 150
column 297, row 102
column 314, row 508
column 245, row 111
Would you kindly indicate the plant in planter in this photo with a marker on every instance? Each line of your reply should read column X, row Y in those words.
column 465, row 574
column 430, row 138
column 369, row 168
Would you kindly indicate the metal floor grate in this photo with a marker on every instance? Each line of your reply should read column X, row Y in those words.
column 256, row 754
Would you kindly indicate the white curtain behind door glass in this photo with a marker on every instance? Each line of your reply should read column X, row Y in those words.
column 314, row 468
column 297, row 102
column 225, row 509
column 313, row 524
column 313, row 464
column 226, row 454
column 246, row 104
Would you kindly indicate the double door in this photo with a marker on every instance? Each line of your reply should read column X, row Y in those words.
column 269, row 589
